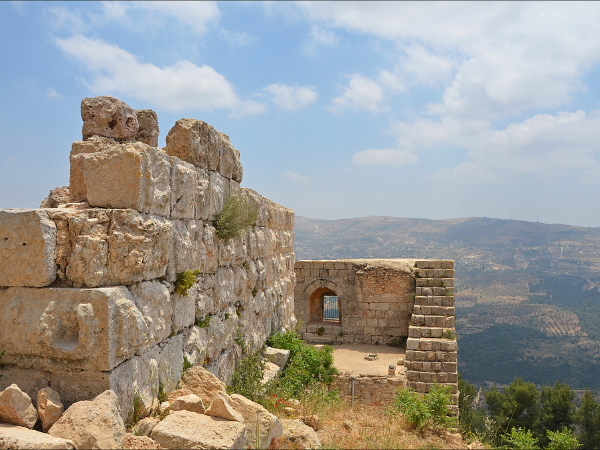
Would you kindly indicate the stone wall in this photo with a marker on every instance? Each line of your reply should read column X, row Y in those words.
column 376, row 299
column 87, row 289
column 386, row 301
column 369, row 389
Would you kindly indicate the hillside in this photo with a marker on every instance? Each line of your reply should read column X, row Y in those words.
column 525, row 290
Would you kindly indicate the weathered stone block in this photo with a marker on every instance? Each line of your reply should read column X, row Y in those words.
column 218, row 190
column 195, row 344
column 109, row 247
column 153, row 301
column 94, row 329
column 184, row 189
column 131, row 176
column 27, row 248
column 170, row 363
column 109, row 117
column 14, row 436
column 148, row 127
column 184, row 310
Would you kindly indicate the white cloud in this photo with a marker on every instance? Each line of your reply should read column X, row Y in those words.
column 51, row 93
column 386, row 157
column 182, row 86
column 19, row 6
column 362, row 93
column 234, row 39
column 319, row 37
column 296, row 177
column 59, row 18
column 291, row 97
column 197, row 15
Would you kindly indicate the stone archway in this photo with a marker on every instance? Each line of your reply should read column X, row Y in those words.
column 316, row 304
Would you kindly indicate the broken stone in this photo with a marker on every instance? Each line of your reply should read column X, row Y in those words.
column 27, row 248
column 16, row 407
column 14, row 436
column 221, row 407
column 109, row 117
column 148, row 127
column 258, row 420
column 278, row 356
column 202, row 383
column 49, row 407
column 92, row 424
column 189, row 402
column 57, row 196
column 185, row 429
column 145, row 426
column 299, row 435
column 139, row 442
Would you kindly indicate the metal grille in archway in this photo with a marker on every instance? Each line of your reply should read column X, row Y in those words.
column 331, row 308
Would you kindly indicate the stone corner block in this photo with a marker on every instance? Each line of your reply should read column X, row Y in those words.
column 27, row 248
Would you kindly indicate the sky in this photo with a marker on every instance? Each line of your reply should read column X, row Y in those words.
column 340, row 110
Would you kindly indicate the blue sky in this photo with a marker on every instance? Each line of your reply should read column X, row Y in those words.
column 339, row 110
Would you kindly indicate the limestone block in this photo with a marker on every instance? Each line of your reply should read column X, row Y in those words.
column 222, row 331
column 297, row 434
column 221, row 407
column 190, row 402
column 27, row 248
column 261, row 243
column 92, row 424
column 224, row 288
column 94, row 329
column 92, row 144
column 218, row 189
column 251, row 275
column 240, row 282
column 170, row 363
column 130, row 176
column 226, row 252
column 277, row 355
column 224, row 364
column 241, row 251
column 202, row 206
column 154, row 303
column 184, row 310
column 185, row 429
column 258, row 420
column 112, row 247
column 49, row 407
column 14, row 436
column 195, row 344
column 210, row 241
column 131, row 441
column 145, row 426
column 205, row 298
column 186, row 247
column 16, row 407
column 184, row 182
column 148, row 127
column 195, row 142
column 251, row 249
column 202, row 383
column 109, row 117
column 57, row 196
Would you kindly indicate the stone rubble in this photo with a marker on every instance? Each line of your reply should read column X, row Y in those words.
column 16, row 407
column 14, row 436
column 49, row 407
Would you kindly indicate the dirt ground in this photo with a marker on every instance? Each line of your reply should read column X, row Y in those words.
column 351, row 358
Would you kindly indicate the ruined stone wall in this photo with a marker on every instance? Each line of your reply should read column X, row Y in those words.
column 376, row 299
column 384, row 300
column 87, row 289
column 369, row 389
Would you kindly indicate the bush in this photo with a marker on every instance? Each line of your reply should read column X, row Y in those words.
column 185, row 280
column 520, row 439
column 561, row 440
column 236, row 217
column 246, row 380
column 430, row 409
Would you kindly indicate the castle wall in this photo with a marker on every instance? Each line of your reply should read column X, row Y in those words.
column 87, row 289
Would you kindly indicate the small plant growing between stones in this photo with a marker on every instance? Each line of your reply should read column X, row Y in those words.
column 254, row 292
column 341, row 334
column 185, row 280
column 162, row 395
column 186, row 363
column 449, row 293
column 203, row 323
column 226, row 315
column 236, row 217
column 238, row 311
column 321, row 331
column 245, row 265
column 450, row 335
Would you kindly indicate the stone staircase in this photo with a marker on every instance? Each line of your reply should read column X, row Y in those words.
column 431, row 346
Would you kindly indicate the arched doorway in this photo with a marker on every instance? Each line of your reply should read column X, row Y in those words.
column 324, row 306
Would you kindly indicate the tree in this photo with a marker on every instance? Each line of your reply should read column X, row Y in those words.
column 515, row 406
column 467, row 394
column 557, row 410
column 588, row 419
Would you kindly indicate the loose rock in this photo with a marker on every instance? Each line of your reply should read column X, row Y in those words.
column 296, row 434
column 49, row 407
column 148, row 127
column 202, row 383
column 221, row 407
column 255, row 416
column 14, row 436
column 16, row 407
column 189, row 402
column 92, row 424
column 57, row 196
column 139, row 442
column 145, row 426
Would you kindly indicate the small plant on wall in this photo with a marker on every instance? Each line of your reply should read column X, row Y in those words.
column 185, row 280
column 236, row 217
column 321, row 331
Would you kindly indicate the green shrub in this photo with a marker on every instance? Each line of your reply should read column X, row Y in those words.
column 186, row 363
column 520, row 439
column 203, row 323
column 320, row 331
column 561, row 440
column 185, row 280
column 246, row 379
column 431, row 409
column 236, row 217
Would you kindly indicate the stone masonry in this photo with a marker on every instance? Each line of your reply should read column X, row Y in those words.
column 87, row 289
column 386, row 301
